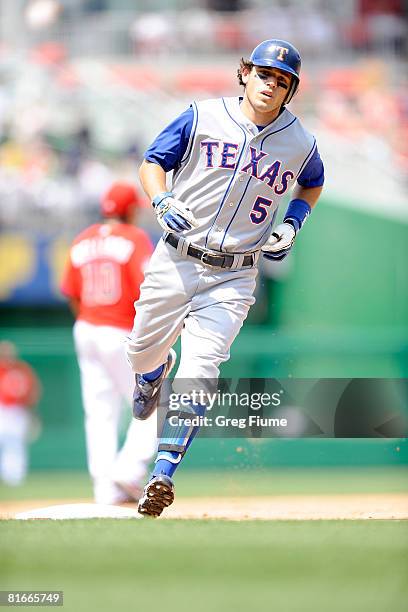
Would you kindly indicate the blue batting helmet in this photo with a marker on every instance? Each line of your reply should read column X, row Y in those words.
column 280, row 54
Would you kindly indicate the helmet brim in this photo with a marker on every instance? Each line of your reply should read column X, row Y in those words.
column 265, row 63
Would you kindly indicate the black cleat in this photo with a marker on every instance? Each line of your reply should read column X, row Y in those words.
column 157, row 495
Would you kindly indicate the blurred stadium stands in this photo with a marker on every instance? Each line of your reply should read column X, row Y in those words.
column 76, row 110
column 86, row 84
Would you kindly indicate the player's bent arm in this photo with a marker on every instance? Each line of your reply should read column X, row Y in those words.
column 153, row 178
column 282, row 238
column 172, row 215
column 300, row 206
column 308, row 194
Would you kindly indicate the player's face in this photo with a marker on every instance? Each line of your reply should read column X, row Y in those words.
column 265, row 92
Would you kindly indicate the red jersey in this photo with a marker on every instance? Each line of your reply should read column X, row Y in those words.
column 104, row 272
column 19, row 386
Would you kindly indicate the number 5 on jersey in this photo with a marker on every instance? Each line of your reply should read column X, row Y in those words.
column 260, row 210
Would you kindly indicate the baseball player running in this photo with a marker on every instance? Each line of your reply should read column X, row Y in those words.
column 233, row 160
column 102, row 279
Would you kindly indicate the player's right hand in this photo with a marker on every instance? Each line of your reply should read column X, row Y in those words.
column 173, row 215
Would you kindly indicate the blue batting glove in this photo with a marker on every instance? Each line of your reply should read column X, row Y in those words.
column 173, row 215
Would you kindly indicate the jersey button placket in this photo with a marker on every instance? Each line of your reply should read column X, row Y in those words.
column 218, row 231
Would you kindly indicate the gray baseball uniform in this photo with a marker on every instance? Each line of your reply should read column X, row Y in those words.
column 232, row 175
column 229, row 176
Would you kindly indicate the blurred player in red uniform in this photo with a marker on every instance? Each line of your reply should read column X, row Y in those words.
column 102, row 280
column 19, row 393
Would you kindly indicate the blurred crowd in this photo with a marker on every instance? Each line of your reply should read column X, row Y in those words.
column 318, row 27
column 214, row 26
column 52, row 168
column 72, row 122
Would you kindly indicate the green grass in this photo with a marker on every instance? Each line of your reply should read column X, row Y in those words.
column 108, row 565
column 244, row 483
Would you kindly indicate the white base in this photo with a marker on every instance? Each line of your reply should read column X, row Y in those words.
column 79, row 511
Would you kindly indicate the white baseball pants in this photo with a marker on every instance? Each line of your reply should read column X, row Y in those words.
column 14, row 434
column 206, row 306
column 107, row 385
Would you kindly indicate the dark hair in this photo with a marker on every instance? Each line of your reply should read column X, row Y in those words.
column 243, row 64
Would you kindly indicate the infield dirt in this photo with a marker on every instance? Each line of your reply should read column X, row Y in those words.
column 287, row 507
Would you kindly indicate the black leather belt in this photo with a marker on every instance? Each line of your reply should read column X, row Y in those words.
column 209, row 258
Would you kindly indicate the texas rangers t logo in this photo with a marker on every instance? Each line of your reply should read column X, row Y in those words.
column 283, row 51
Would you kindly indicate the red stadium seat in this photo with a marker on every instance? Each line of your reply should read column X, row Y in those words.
column 136, row 77
column 211, row 80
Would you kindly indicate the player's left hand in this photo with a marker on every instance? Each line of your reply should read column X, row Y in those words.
column 280, row 242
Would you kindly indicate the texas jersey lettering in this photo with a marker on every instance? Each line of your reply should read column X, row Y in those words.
column 240, row 173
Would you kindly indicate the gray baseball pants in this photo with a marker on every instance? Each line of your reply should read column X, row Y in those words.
column 180, row 295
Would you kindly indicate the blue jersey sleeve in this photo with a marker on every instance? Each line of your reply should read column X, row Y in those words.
column 169, row 147
column 312, row 174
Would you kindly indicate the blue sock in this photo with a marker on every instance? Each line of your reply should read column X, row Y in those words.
column 168, row 467
column 164, row 466
column 151, row 376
